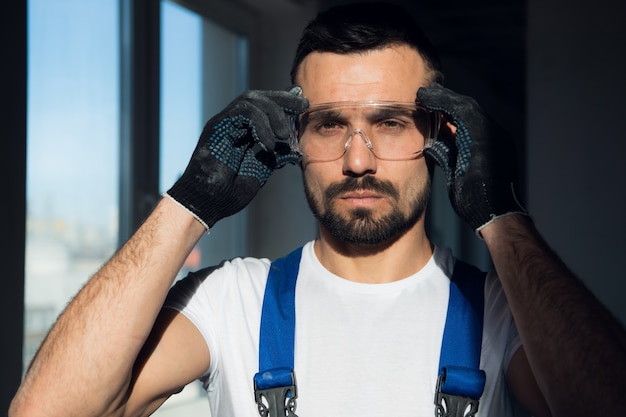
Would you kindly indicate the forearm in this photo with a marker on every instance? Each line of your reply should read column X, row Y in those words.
column 576, row 348
column 84, row 366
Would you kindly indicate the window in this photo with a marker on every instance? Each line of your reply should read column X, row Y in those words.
column 72, row 153
column 73, row 144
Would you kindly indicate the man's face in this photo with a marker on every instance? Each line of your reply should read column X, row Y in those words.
column 359, row 198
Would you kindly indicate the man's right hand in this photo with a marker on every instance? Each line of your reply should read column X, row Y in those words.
column 237, row 152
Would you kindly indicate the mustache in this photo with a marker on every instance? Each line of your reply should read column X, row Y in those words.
column 368, row 182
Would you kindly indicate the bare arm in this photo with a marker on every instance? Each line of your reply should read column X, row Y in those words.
column 574, row 350
column 575, row 347
column 99, row 360
column 84, row 367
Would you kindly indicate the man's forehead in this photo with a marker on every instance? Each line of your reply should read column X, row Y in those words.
column 393, row 73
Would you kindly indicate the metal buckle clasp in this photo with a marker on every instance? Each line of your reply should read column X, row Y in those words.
column 277, row 401
column 448, row 405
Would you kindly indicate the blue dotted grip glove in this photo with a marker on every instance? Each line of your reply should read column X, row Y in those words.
column 237, row 152
column 478, row 160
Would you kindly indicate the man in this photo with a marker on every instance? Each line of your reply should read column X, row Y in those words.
column 372, row 291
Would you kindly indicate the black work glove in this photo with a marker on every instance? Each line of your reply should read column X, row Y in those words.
column 478, row 160
column 237, row 152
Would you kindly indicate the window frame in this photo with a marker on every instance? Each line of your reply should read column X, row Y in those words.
column 139, row 143
column 140, row 24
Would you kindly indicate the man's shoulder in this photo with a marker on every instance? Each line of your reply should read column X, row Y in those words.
column 234, row 267
column 223, row 283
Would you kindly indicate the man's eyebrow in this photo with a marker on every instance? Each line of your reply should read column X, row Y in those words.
column 319, row 115
column 371, row 114
column 387, row 112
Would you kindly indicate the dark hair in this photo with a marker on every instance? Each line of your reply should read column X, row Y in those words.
column 361, row 27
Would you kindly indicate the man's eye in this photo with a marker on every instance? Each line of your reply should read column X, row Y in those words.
column 328, row 127
column 392, row 124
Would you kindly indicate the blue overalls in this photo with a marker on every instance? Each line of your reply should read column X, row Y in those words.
column 460, row 382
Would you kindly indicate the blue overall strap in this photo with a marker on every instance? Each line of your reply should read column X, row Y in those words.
column 275, row 385
column 461, row 382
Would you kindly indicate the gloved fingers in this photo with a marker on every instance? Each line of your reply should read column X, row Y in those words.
column 281, row 126
column 271, row 114
column 258, row 165
column 278, row 158
column 470, row 125
column 444, row 155
column 291, row 100
column 454, row 106
column 229, row 156
column 246, row 125
column 443, row 143
column 285, row 155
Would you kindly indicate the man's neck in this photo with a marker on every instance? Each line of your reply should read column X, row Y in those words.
column 377, row 264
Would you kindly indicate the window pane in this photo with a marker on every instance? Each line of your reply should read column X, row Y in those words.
column 72, row 160
column 181, row 84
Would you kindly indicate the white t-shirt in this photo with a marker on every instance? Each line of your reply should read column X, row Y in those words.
column 361, row 350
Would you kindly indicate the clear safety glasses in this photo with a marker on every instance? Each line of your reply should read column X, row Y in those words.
column 392, row 131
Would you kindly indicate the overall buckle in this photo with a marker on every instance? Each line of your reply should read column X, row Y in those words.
column 277, row 401
column 450, row 405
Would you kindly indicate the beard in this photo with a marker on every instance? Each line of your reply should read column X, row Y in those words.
column 361, row 227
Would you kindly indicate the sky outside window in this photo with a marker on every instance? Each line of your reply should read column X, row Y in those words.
column 72, row 152
column 73, row 141
column 181, row 89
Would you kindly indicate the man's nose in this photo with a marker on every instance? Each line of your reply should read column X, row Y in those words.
column 359, row 159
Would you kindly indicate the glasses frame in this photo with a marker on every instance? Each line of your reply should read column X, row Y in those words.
column 434, row 121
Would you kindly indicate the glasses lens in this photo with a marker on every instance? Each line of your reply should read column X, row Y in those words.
column 392, row 131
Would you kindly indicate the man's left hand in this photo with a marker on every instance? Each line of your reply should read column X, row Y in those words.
column 477, row 157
